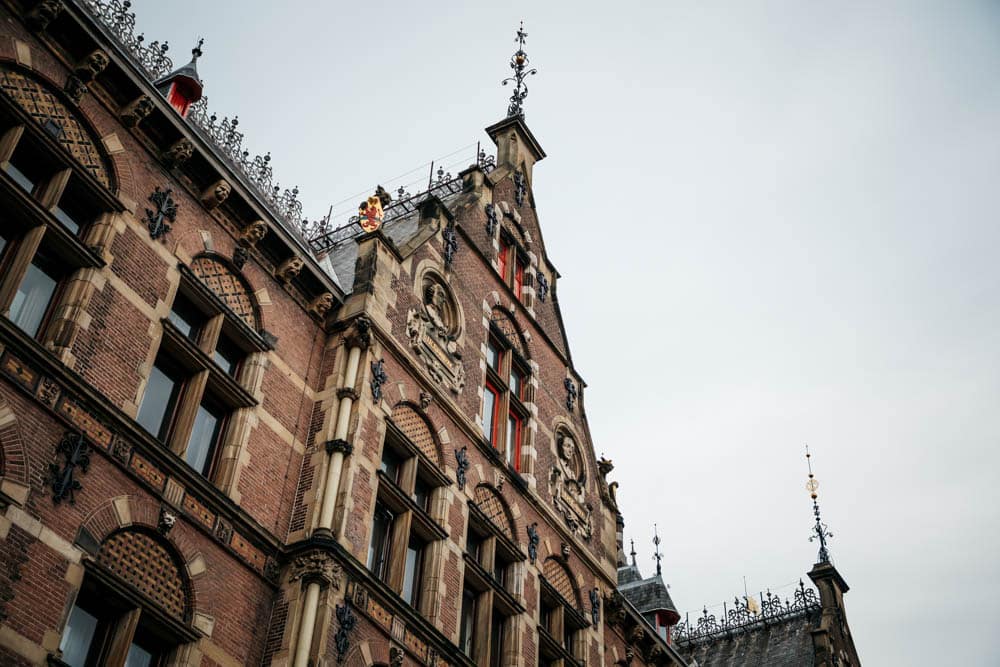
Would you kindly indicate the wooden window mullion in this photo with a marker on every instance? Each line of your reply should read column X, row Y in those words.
column 399, row 540
column 121, row 638
column 484, row 620
column 51, row 191
column 208, row 338
column 16, row 269
column 186, row 411
column 8, row 142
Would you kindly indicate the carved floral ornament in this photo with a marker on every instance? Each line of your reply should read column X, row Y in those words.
column 316, row 566
column 433, row 330
column 567, row 483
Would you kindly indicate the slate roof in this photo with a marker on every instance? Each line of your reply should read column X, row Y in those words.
column 785, row 643
column 645, row 594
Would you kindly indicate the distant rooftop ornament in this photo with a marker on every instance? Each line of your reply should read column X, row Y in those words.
column 519, row 63
column 656, row 545
column 633, row 553
column 819, row 530
column 183, row 87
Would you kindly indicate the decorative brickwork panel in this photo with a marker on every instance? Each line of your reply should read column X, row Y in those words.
column 492, row 506
column 56, row 119
column 140, row 559
column 508, row 329
column 415, row 428
column 560, row 578
column 227, row 286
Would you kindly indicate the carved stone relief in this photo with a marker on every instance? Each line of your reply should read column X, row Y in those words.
column 567, row 483
column 433, row 330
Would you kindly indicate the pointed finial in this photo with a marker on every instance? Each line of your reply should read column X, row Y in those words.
column 656, row 544
column 519, row 63
column 633, row 553
column 196, row 51
column 819, row 529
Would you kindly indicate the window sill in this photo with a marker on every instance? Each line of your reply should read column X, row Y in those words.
column 399, row 502
column 188, row 355
column 479, row 580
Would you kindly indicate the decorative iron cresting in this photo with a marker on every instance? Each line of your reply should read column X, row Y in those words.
column 158, row 221
column 570, row 394
column 745, row 617
column 533, row 542
column 450, row 243
column 151, row 59
column 76, row 454
column 379, row 378
column 520, row 65
column 462, row 464
column 346, row 620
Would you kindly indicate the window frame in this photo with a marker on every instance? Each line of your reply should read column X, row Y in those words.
column 512, row 263
column 507, row 404
column 565, row 621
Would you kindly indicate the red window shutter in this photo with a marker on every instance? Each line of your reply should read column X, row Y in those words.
column 518, row 278
column 502, row 260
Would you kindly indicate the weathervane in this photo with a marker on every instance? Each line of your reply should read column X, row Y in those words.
column 633, row 552
column 656, row 544
column 819, row 530
column 519, row 63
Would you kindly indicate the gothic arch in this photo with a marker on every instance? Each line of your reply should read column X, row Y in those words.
column 13, row 457
column 137, row 513
column 46, row 103
column 507, row 325
column 493, row 505
column 418, row 429
column 229, row 284
column 557, row 574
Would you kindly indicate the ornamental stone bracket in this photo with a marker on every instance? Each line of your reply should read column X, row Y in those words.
column 316, row 567
column 567, row 483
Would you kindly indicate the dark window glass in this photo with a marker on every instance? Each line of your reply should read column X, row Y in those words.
column 547, row 617
column 77, row 637
column 25, row 168
column 207, row 425
column 411, row 571
column 378, row 546
column 227, row 355
column 568, row 638
column 32, row 299
column 162, row 390
column 422, row 493
column 489, row 413
column 468, row 621
column 496, row 640
column 138, row 657
column 391, row 464
column 67, row 219
column 3, row 244
column 186, row 317
column 516, row 382
column 474, row 546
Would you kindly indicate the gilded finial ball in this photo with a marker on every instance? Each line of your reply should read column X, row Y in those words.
column 519, row 58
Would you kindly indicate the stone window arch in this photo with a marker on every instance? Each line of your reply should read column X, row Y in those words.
column 415, row 426
column 46, row 106
column 561, row 579
column 494, row 508
column 150, row 565
column 226, row 283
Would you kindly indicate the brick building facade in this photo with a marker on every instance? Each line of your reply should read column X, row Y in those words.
column 225, row 443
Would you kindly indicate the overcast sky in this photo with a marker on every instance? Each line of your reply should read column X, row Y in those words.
column 776, row 224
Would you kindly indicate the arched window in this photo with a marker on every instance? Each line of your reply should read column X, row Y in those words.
column 133, row 606
column 506, row 389
column 54, row 186
column 197, row 381
column 560, row 619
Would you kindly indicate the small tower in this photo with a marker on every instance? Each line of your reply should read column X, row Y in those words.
column 183, row 86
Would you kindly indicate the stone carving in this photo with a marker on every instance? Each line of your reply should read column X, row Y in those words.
column 425, row 400
column 240, row 256
column 520, row 187
column 75, row 88
column 346, row 620
column 614, row 608
column 166, row 521
column 570, row 394
column 177, row 154
column 252, row 233
column 567, row 483
column 217, row 193
column 395, row 657
column 224, row 531
column 595, row 606
column 321, row 305
column 492, row 220
column 360, row 333
column 316, row 567
column 289, row 269
column 39, row 18
column 88, row 68
column 432, row 331
column 136, row 110
column 543, row 287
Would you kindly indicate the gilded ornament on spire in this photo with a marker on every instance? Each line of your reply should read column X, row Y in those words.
column 519, row 63
column 820, row 532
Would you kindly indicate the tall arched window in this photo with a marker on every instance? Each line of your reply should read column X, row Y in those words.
column 506, row 389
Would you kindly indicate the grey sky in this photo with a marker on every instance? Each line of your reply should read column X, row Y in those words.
column 775, row 224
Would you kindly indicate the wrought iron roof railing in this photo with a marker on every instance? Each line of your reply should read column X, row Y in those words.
column 741, row 618
column 321, row 238
column 152, row 59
